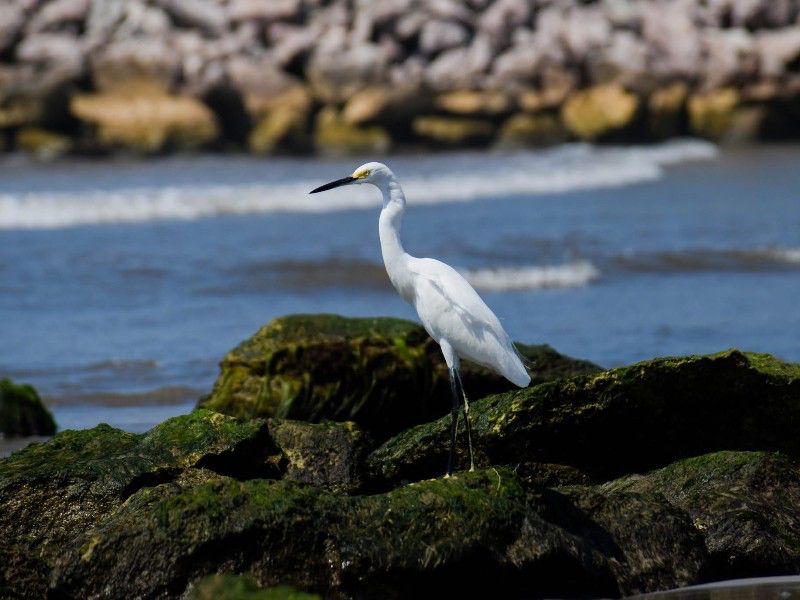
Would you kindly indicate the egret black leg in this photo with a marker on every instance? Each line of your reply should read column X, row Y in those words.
column 453, row 422
column 466, row 418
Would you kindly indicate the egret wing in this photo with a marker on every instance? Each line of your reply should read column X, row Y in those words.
column 457, row 292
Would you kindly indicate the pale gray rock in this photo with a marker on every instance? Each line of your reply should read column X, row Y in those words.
column 140, row 19
column 461, row 68
column 206, row 15
column 335, row 76
column 449, row 9
column 623, row 59
column 257, row 76
column 502, row 17
column 439, row 35
column 584, row 31
column 103, row 18
column 263, row 10
column 12, row 19
column 53, row 48
column 58, row 13
column 777, row 48
column 731, row 57
column 672, row 37
column 151, row 59
column 288, row 42
column 410, row 25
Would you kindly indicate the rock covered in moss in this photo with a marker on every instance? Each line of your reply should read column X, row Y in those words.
column 22, row 412
column 384, row 374
column 599, row 111
column 745, row 504
column 428, row 536
column 146, row 118
column 328, row 454
column 624, row 420
column 240, row 587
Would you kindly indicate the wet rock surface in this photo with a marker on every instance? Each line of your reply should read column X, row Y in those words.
column 384, row 374
column 22, row 412
column 598, row 63
column 666, row 473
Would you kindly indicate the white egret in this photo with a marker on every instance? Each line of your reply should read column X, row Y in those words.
column 451, row 311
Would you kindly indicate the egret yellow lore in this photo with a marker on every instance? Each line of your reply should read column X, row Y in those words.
column 451, row 311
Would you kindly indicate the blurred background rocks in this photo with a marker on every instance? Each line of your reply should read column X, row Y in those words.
column 336, row 76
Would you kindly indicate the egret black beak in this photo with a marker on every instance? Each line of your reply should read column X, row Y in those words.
column 333, row 184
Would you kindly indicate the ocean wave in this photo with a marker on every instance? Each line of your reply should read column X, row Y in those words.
column 732, row 259
column 505, row 279
column 437, row 179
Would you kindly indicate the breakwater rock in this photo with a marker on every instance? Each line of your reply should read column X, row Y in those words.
column 666, row 473
column 22, row 412
column 366, row 76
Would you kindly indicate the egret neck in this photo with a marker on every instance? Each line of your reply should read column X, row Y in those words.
column 394, row 257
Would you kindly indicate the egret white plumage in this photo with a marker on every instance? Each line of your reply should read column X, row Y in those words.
column 450, row 309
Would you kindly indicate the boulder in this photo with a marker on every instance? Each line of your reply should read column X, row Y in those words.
column 41, row 143
column 22, row 412
column 242, row 587
column 745, row 505
column 207, row 15
column 453, row 131
column 437, row 35
column 776, row 49
column 666, row 110
column 336, row 75
column 335, row 136
column 525, row 130
column 599, row 111
column 125, row 63
column 144, row 118
column 431, row 536
column 624, row 420
column 711, row 114
column 466, row 102
column 58, row 14
column 384, row 374
column 12, row 20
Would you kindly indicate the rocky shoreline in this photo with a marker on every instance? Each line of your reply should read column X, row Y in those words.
column 337, row 77
column 591, row 482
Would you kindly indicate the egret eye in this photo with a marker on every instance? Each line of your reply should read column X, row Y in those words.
column 361, row 174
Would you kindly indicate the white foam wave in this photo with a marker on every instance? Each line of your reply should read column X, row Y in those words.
column 432, row 181
column 575, row 274
column 787, row 255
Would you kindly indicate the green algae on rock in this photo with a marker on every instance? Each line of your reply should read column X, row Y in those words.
column 745, row 504
column 409, row 539
column 384, row 374
column 241, row 587
column 625, row 420
column 22, row 412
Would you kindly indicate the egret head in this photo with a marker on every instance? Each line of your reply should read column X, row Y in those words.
column 372, row 172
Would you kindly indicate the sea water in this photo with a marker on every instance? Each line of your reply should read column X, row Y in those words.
column 123, row 283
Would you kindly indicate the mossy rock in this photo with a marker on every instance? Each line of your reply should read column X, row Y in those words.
column 22, row 412
column 281, row 128
column 453, row 131
column 335, row 136
column 538, row 129
column 473, row 532
column 600, row 111
column 51, row 492
column 241, row 587
column 384, row 374
column 625, row 420
column 145, row 118
column 711, row 115
column 666, row 110
column 43, row 144
column 745, row 504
